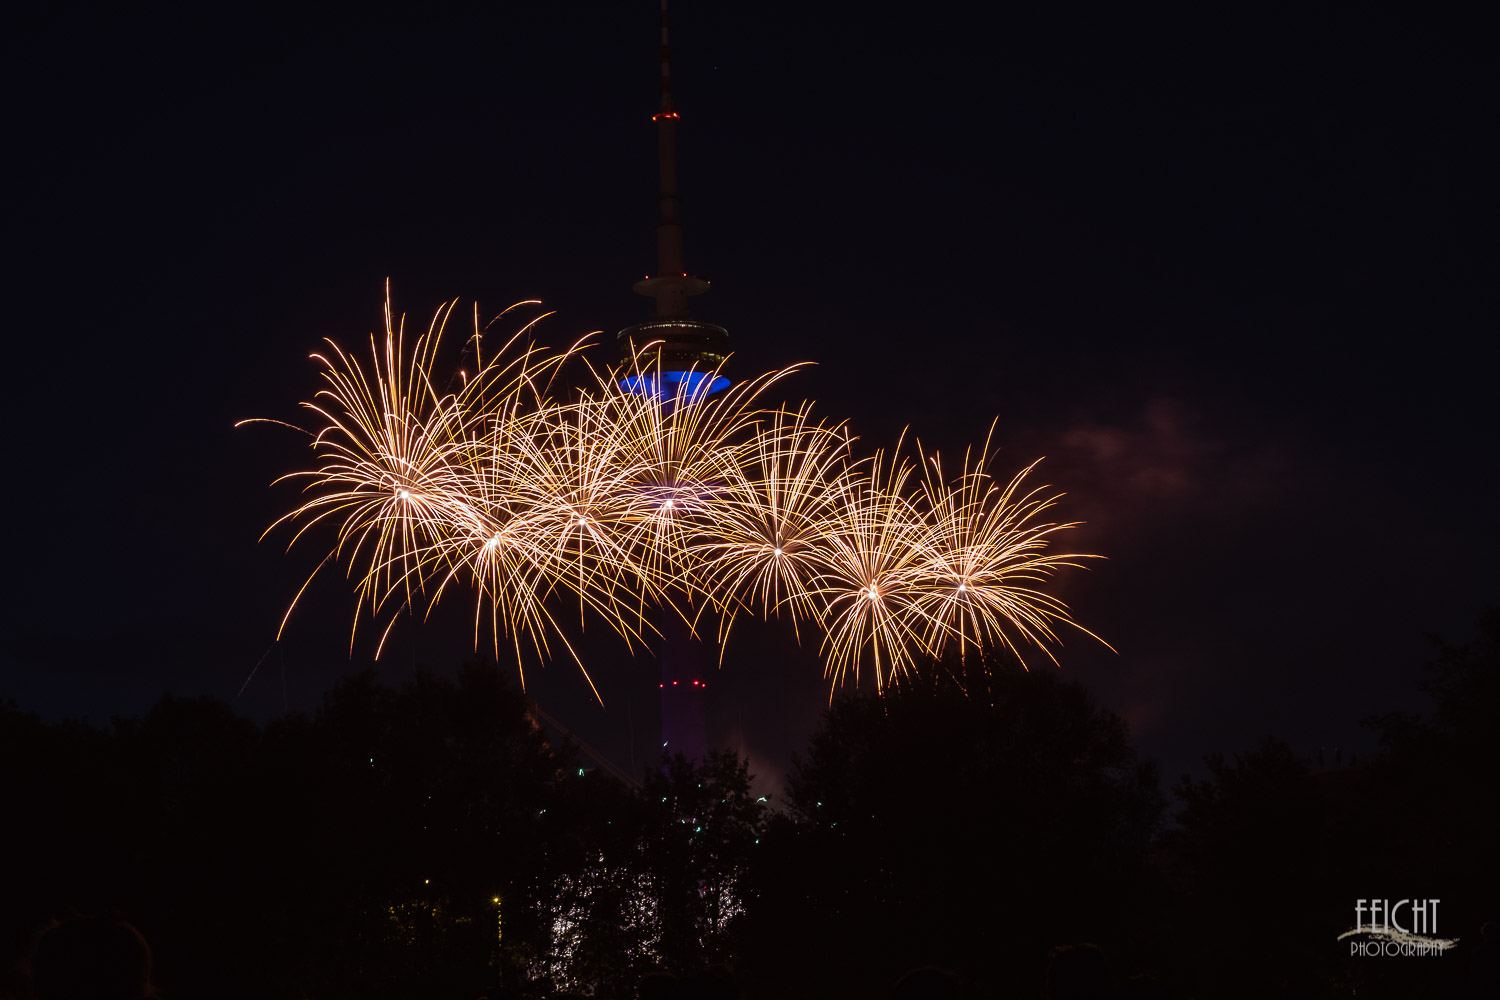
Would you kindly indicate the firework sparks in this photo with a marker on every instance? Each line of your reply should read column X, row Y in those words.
column 769, row 532
column 985, row 555
column 868, row 577
column 626, row 502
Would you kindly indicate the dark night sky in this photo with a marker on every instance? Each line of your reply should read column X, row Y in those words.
column 1231, row 270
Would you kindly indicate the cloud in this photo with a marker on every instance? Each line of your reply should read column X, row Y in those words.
column 1148, row 471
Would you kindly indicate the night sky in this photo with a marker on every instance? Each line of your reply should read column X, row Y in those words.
column 1231, row 270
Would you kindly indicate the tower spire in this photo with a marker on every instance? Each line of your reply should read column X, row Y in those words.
column 685, row 350
column 666, row 67
column 671, row 296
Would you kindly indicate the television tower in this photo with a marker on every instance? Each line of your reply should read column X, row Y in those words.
column 679, row 359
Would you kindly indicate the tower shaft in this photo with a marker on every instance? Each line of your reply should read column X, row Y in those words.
column 671, row 296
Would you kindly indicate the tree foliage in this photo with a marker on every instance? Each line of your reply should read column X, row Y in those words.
column 429, row 840
column 954, row 821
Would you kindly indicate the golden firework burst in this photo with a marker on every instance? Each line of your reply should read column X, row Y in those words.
column 496, row 482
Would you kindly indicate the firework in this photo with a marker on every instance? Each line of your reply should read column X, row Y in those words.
column 769, row 528
column 867, row 578
column 985, row 553
column 526, row 497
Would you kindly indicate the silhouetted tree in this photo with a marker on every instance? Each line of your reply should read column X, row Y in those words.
column 1443, row 767
column 378, row 848
column 701, row 834
column 657, row 876
column 1251, row 865
column 434, row 800
column 975, row 818
column 427, row 840
column 1268, row 856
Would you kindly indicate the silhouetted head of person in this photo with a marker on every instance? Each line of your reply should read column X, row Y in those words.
column 1078, row 972
column 928, row 983
column 91, row 958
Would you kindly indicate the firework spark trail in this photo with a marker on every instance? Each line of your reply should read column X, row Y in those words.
column 627, row 502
